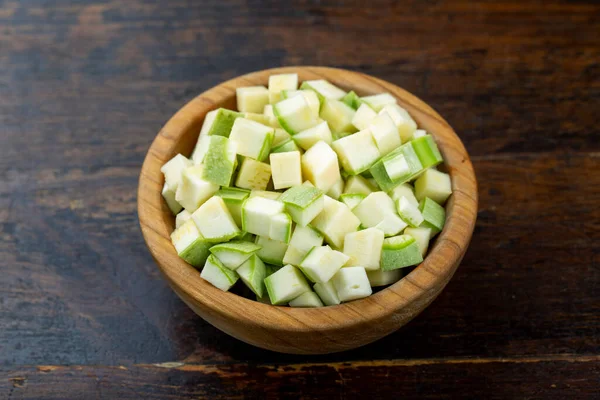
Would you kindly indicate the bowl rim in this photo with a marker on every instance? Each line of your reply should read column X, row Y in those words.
column 439, row 264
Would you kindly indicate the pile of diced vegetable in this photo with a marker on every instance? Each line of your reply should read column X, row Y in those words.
column 304, row 193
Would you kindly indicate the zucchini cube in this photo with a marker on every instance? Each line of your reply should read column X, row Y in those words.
column 352, row 199
column 182, row 217
column 409, row 213
column 339, row 115
column 200, row 149
column 357, row 153
column 260, row 118
column 267, row 194
column 190, row 244
column 234, row 199
column 427, row 151
column 220, row 160
column 422, row 236
column 287, row 146
column 310, row 96
column 378, row 101
column 271, row 117
column 358, row 185
column 257, row 213
column 294, row 115
column 286, row 169
column 307, row 300
column 434, row 215
column 321, row 263
column 352, row 100
column 252, row 99
column 385, row 133
column 285, row 285
column 173, row 171
column 327, row 293
column 335, row 221
column 324, row 89
column 394, row 163
column 215, row 222
column 307, row 138
column 194, row 190
column 281, row 136
column 280, row 227
column 377, row 210
column 303, row 240
column 170, row 197
column 404, row 122
column 252, row 139
column 303, row 203
column 364, row 248
column 380, row 277
column 320, row 166
column 271, row 251
column 253, row 273
column 363, row 117
column 404, row 190
column 234, row 253
column 352, row 283
column 280, row 82
column 400, row 252
column 336, row 190
column 433, row 184
column 253, row 175
column 218, row 275
column 219, row 122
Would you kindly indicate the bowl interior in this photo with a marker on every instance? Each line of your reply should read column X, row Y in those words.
column 402, row 300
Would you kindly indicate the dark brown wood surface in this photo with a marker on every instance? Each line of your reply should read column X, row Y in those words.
column 86, row 85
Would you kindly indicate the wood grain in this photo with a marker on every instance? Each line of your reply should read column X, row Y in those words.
column 84, row 86
column 319, row 330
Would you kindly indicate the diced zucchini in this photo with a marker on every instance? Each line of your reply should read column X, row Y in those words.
column 418, row 133
column 252, row 99
column 399, row 252
column 422, row 236
column 327, row 293
column 214, row 221
column 320, row 166
column 433, row 184
column 170, row 197
column 220, row 160
column 219, row 122
column 234, row 199
column 352, row 283
column 253, row 175
column 252, row 139
column 352, row 100
column 339, row 135
column 181, row 218
column 324, row 89
column 234, row 253
column 272, row 118
column 173, row 171
column 194, row 190
column 336, row 190
column 200, row 149
column 294, row 115
column 385, row 133
column 280, row 82
column 288, row 145
column 409, row 213
column 380, row 172
column 434, row 215
column 352, row 199
column 378, row 101
column 190, row 244
column 272, row 251
column 246, row 237
column 280, row 227
column 281, row 136
column 310, row 96
column 363, row 117
column 356, row 153
column 285, row 285
column 307, row 138
column 406, row 125
column 338, row 115
column 358, row 184
column 260, row 118
column 377, row 210
column 380, row 277
column 427, row 151
column 257, row 213
column 253, row 273
column 335, row 221
column 303, row 240
column 303, row 203
column 321, row 263
column 218, row 275
column 307, row 300
column 267, row 194
column 286, row 169
column 404, row 190
column 364, row 248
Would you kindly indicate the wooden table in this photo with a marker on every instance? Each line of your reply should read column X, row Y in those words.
column 84, row 88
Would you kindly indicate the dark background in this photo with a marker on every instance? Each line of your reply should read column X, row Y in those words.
column 86, row 85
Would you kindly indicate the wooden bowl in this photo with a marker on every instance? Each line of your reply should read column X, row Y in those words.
column 316, row 330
